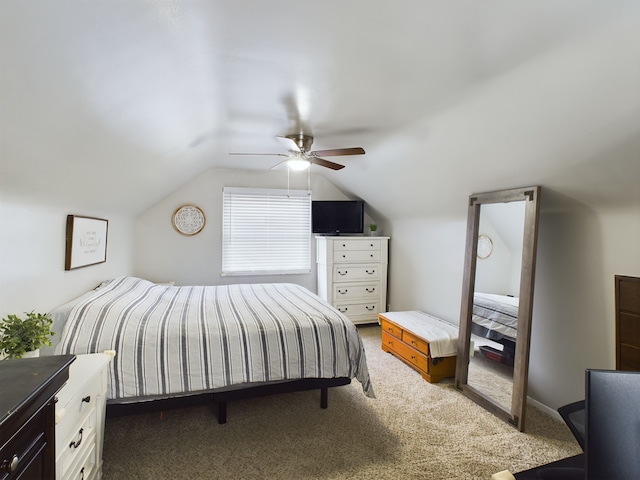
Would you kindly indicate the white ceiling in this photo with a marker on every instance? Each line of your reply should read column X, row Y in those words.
column 115, row 104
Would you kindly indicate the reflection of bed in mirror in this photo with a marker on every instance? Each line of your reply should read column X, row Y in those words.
column 495, row 317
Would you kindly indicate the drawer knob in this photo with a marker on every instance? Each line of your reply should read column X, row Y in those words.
column 13, row 464
column 87, row 399
column 77, row 444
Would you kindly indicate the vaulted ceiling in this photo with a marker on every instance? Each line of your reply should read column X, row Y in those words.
column 115, row 104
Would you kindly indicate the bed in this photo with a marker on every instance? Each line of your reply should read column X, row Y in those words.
column 496, row 317
column 210, row 343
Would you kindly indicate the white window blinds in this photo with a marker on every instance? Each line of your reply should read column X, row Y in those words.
column 266, row 231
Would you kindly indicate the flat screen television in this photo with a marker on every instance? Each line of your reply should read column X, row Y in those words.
column 336, row 217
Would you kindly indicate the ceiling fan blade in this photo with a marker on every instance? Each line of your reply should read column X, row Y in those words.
column 325, row 163
column 270, row 154
column 289, row 144
column 339, row 151
column 277, row 165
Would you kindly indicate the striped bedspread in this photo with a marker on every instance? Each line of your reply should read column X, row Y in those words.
column 171, row 340
column 497, row 313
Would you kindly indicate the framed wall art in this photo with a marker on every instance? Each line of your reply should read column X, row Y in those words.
column 86, row 242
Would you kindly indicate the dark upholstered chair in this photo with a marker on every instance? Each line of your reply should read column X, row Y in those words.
column 574, row 416
column 606, row 425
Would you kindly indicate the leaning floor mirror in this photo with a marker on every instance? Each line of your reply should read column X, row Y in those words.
column 497, row 300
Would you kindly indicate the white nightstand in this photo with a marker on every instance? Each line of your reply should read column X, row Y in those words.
column 80, row 412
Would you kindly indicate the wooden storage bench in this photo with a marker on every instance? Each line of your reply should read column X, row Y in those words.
column 407, row 336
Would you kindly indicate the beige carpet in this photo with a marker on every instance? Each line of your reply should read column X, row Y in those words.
column 412, row 430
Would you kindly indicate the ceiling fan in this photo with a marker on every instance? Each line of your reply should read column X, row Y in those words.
column 301, row 157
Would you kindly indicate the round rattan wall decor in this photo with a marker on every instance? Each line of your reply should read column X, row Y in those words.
column 188, row 220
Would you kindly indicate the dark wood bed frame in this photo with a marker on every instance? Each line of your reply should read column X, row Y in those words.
column 221, row 398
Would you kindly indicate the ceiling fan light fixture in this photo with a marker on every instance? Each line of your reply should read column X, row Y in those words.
column 298, row 164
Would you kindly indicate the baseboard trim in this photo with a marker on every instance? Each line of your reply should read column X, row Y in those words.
column 543, row 408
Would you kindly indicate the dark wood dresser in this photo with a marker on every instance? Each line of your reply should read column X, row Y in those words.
column 627, row 323
column 27, row 415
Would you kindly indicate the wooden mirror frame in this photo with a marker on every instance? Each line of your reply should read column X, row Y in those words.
column 531, row 195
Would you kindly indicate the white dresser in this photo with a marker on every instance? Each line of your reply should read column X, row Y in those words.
column 80, row 413
column 352, row 275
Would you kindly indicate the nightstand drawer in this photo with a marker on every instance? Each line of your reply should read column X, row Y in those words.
column 85, row 468
column 77, row 407
column 79, row 418
column 77, row 445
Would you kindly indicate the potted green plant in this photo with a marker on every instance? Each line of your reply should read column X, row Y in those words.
column 18, row 336
column 373, row 229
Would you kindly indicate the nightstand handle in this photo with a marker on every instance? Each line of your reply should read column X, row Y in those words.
column 87, row 399
column 77, row 444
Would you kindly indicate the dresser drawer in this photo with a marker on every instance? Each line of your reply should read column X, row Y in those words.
column 629, row 296
column 391, row 329
column 357, row 309
column 349, row 291
column 409, row 354
column 630, row 329
column 415, row 341
column 352, row 244
column 24, row 448
column 357, row 256
column 356, row 272
column 630, row 358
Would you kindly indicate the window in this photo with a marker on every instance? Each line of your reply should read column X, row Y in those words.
column 266, row 231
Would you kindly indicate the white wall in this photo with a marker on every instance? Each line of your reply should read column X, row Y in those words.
column 32, row 256
column 162, row 254
column 580, row 251
column 426, row 259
